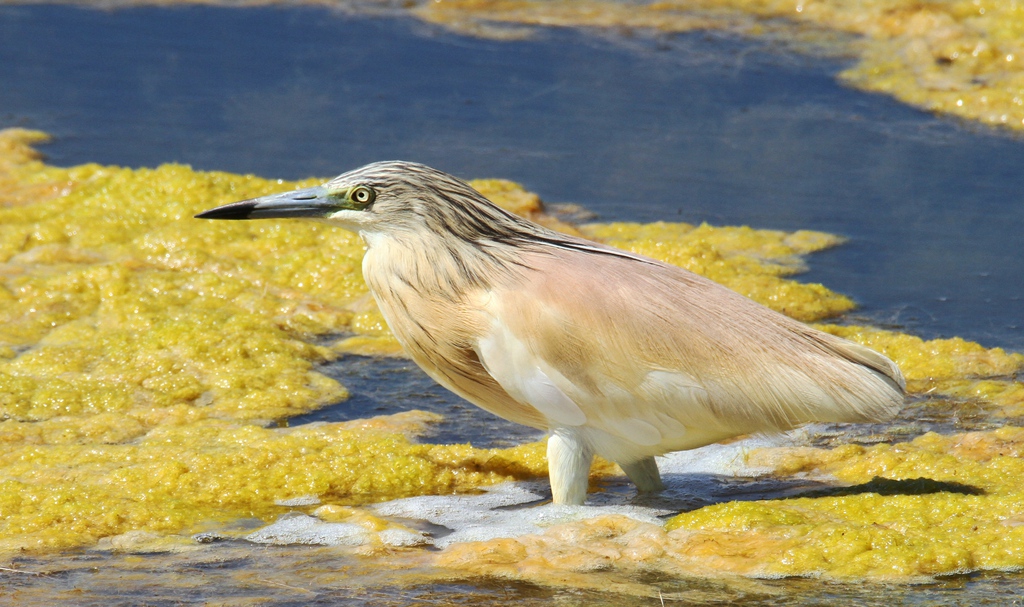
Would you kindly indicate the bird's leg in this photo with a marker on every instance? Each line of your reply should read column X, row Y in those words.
column 644, row 474
column 569, row 460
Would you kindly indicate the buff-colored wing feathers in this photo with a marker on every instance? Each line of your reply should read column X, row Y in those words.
column 634, row 367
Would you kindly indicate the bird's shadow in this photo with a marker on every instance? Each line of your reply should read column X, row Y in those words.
column 692, row 491
column 888, row 486
column 687, row 492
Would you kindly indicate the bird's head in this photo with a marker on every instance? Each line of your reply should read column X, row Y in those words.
column 384, row 198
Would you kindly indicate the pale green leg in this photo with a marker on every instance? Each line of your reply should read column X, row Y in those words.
column 644, row 475
column 568, row 466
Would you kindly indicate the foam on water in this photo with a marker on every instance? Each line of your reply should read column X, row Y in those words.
column 494, row 514
column 727, row 459
column 296, row 528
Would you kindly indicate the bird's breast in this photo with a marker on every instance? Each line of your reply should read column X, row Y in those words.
column 439, row 329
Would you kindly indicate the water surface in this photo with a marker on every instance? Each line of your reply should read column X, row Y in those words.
column 695, row 127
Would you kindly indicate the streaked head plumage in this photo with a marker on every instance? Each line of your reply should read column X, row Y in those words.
column 389, row 197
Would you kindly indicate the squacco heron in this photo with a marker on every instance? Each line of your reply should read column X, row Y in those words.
column 610, row 352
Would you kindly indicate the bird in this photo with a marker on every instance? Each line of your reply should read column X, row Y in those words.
column 610, row 352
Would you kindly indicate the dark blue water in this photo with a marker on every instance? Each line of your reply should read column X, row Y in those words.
column 696, row 127
column 391, row 385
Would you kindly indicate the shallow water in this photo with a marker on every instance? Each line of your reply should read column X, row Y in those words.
column 698, row 127
column 232, row 574
column 386, row 386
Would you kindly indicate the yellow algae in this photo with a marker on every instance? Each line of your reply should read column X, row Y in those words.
column 602, row 553
column 990, row 460
column 936, row 359
column 970, row 517
column 177, row 477
column 606, row 553
column 952, row 368
column 140, row 351
column 959, row 57
column 1004, row 396
column 410, row 423
column 881, row 537
column 137, row 344
column 17, row 153
column 751, row 262
column 886, row 536
column 372, row 335
column 370, row 345
column 513, row 197
column 23, row 176
column 127, row 304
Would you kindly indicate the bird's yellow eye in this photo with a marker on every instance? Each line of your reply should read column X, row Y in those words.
column 362, row 196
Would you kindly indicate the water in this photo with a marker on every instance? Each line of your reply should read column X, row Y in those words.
column 388, row 386
column 698, row 127
column 234, row 573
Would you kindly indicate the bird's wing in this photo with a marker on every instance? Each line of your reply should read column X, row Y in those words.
column 667, row 359
column 511, row 362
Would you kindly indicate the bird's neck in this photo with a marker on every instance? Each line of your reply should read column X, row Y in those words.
column 433, row 265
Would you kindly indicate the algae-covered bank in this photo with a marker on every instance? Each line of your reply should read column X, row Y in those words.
column 149, row 364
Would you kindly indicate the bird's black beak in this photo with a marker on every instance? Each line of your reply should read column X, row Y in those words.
column 310, row 202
